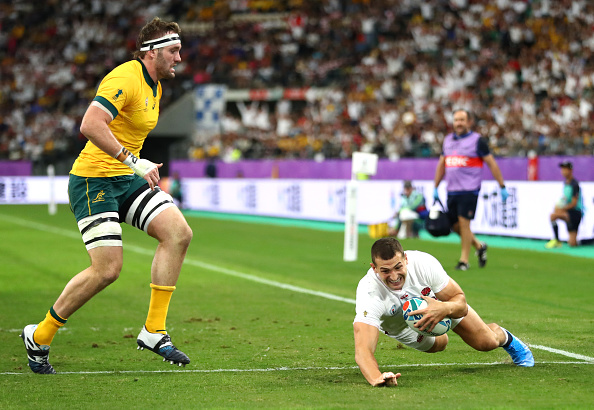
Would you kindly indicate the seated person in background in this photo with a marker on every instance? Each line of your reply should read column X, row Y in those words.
column 569, row 208
column 411, row 213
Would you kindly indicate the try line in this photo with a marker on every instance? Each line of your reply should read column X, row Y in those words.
column 238, row 274
column 282, row 369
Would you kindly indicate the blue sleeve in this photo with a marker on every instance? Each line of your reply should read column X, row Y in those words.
column 575, row 187
column 482, row 147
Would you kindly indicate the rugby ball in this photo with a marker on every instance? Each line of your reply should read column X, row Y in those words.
column 417, row 304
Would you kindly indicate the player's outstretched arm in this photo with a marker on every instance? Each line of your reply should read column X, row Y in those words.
column 366, row 337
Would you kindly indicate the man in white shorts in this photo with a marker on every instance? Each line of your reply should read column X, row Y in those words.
column 396, row 276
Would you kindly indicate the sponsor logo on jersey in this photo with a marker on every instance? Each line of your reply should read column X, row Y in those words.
column 462, row 161
column 99, row 197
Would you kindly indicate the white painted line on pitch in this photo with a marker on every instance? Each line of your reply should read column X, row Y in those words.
column 189, row 261
column 235, row 273
column 253, row 278
column 285, row 369
column 564, row 353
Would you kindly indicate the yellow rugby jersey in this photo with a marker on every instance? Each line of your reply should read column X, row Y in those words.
column 132, row 97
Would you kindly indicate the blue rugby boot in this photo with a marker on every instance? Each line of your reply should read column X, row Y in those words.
column 161, row 344
column 37, row 354
column 519, row 352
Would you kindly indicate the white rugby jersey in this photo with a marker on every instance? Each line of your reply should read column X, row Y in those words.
column 381, row 307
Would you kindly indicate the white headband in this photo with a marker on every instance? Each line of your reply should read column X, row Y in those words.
column 166, row 40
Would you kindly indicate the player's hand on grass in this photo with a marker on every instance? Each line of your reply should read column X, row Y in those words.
column 387, row 379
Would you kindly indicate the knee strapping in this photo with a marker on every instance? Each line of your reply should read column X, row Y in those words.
column 101, row 230
column 146, row 207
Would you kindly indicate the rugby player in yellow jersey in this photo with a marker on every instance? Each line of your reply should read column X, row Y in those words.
column 110, row 184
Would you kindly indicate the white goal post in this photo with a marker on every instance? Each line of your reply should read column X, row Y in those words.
column 52, row 207
column 362, row 164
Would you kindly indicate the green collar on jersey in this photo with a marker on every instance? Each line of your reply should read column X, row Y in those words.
column 148, row 78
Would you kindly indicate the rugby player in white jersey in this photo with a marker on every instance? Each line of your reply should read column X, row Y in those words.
column 396, row 276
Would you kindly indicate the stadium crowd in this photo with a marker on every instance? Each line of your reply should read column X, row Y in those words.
column 388, row 73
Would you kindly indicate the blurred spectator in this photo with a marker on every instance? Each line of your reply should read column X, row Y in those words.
column 211, row 168
column 526, row 68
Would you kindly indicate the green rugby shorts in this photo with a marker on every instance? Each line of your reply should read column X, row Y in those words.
column 90, row 196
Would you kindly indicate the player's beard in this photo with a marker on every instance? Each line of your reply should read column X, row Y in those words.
column 163, row 67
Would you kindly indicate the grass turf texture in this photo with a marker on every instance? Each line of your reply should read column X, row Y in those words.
column 225, row 320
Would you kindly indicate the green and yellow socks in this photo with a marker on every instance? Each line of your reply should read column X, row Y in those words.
column 158, row 307
column 48, row 327
column 155, row 321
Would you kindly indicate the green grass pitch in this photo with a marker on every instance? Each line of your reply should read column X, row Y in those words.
column 254, row 311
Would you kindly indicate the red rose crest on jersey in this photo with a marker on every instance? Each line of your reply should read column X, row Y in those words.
column 426, row 291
